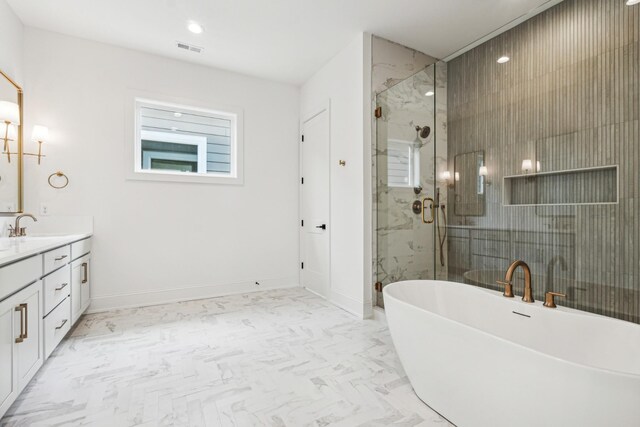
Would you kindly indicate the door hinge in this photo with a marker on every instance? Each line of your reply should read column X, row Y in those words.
column 378, row 286
column 378, row 112
column 302, row 265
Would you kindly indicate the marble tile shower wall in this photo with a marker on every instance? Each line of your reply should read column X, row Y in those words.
column 569, row 99
column 393, row 63
column 406, row 248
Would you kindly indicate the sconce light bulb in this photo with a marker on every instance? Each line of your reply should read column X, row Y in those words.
column 40, row 133
column 445, row 176
column 527, row 165
column 483, row 171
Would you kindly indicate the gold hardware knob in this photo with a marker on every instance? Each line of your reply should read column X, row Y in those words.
column 508, row 288
column 549, row 299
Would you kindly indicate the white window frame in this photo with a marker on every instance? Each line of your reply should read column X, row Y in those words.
column 133, row 160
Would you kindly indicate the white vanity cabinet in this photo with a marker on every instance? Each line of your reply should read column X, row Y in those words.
column 80, row 286
column 42, row 295
column 21, row 344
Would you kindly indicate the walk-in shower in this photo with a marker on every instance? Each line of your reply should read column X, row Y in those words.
column 408, row 202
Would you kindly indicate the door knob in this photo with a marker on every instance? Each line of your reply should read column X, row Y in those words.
column 323, row 226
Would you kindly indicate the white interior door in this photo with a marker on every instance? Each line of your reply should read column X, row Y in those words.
column 315, row 184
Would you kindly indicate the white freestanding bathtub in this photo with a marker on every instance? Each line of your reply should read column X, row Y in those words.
column 480, row 359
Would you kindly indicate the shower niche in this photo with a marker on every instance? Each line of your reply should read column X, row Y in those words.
column 587, row 186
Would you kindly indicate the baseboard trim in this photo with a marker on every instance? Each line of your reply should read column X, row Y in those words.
column 166, row 296
column 379, row 314
column 349, row 304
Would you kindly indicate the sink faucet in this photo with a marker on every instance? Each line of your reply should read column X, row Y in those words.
column 508, row 286
column 17, row 231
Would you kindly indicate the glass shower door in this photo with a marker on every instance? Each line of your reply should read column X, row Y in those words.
column 405, row 181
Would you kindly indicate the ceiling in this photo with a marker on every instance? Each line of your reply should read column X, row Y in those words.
column 283, row 40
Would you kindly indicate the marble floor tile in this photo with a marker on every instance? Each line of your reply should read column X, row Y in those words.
column 275, row 358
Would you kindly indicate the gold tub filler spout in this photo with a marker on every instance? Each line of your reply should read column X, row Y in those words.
column 508, row 278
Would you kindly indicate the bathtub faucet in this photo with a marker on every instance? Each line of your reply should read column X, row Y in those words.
column 508, row 286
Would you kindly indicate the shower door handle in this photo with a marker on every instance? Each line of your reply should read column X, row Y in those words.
column 432, row 209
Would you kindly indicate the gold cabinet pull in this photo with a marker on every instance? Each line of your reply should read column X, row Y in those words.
column 60, row 258
column 85, row 273
column 64, row 322
column 432, row 209
column 61, row 287
column 24, row 327
column 549, row 299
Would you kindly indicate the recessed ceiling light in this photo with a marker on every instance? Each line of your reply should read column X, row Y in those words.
column 177, row 114
column 429, row 93
column 195, row 28
column 503, row 59
column 632, row 2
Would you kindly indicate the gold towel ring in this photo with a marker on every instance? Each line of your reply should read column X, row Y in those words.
column 59, row 174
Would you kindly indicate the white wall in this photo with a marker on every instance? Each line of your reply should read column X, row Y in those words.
column 345, row 81
column 11, row 43
column 157, row 242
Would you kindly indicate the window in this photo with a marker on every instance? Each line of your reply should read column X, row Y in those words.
column 403, row 164
column 182, row 143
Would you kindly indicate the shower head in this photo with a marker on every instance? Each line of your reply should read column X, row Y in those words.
column 423, row 131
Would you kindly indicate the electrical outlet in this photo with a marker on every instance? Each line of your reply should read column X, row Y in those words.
column 44, row 209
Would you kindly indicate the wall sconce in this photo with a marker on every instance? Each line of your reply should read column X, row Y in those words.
column 527, row 165
column 445, row 177
column 484, row 173
column 39, row 134
column 10, row 116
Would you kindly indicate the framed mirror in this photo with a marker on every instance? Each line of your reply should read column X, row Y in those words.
column 11, row 124
column 469, row 186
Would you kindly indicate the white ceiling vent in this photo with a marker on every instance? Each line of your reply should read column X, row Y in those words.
column 191, row 48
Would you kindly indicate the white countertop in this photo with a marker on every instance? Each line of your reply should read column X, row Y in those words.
column 17, row 248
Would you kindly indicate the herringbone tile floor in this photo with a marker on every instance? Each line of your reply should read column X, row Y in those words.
column 274, row 358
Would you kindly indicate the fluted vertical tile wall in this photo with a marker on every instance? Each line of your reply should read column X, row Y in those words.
column 569, row 99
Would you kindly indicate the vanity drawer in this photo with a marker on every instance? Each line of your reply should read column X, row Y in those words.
column 57, row 286
column 56, row 258
column 16, row 276
column 80, row 248
column 56, row 326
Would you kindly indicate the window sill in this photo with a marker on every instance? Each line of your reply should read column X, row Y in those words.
column 185, row 178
